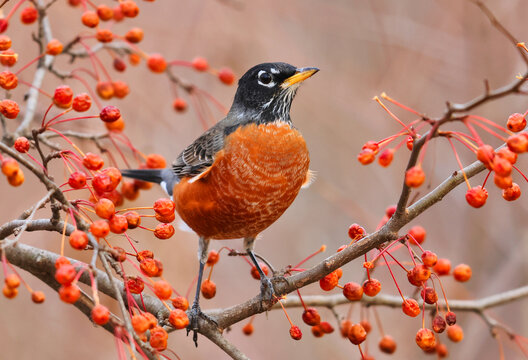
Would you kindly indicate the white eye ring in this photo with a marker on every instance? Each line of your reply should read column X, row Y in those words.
column 262, row 82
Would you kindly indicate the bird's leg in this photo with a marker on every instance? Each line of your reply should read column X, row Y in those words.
column 195, row 313
column 266, row 287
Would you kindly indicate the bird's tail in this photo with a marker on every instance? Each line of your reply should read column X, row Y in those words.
column 150, row 175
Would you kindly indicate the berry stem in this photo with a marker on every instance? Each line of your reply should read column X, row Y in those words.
column 410, row 131
column 300, row 298
column 29, row 64
column 442, row 288
column 63, row 235
column 459, row 162
column 392, row 275
column 486, row 179
column 321, row 250
column 67, row 140
column 520, row 172
column 404, row 107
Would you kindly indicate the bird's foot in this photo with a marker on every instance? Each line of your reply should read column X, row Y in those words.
column 194, row 316
column 267, row 293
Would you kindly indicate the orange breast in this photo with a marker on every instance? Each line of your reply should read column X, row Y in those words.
column 249, row 186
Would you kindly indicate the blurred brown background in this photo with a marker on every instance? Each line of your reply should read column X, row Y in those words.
column 419, row 52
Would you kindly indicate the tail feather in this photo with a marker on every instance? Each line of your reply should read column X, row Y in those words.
column 150, row 175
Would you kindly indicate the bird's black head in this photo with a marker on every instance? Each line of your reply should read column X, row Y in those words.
column 266, row 91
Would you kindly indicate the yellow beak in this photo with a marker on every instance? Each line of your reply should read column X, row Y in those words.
column 301, row 75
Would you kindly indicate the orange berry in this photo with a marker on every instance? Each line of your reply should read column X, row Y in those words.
column 155, row 161
column 139, row 323
column 441, row 350
column 179, row 104
column 200, row 64
column 178, row 318
column 10, row 167
column 104, row 35
column 12, row 281
column 78, row 240
column 477, row 196
column 156, row 63
column 516, row 122
column 429, row 295
column 371, row 287
column 164, row 231
column 61, row 260
column 317, row 331
column 133, row 219
column 69, row 293
column 21, row 144
column 118, row 224
column 226, row 76
column 414, row 177
column 129, row 8
column 455, row 333
column 8, row 80
column 118, row 13
column 158, row 335
column 208, row 289
column 8, row 58
column 429, row 258
column 135, row 284
column 254, row 271
column 213, row 258
column 421, row 273
column 119, row 254
column 329, row 282
column 410, row 307
column 100, row 314
column 28, row 15
column 119, row 64
column 105, row 12
column 248, row 329
column 486, row 154
column 38, row 297
column 462, row 272
column 326, row 327
column 366, row 325
column 442, row 267
column 93, row 161
column 121, row 89
column 134, row 59
column 144, row 254
column 425, row 339
column 366, row 156
column 410, row 141
column 344, row 327
column 501, row 166
column 100, row 228
column 54, row 47
column 63, row 96
column 65, row 274
column 81, row 102
column 129, row 190
column 164, row 206
column 109, row 114
column 104, row 208
column 10, row 293
column 9, row 109
column 162, row 289
column 105, row 90
column 507, row 154
column 5, row 42
column 90, row 19
column 77, row 180
column 150, row 267
column 387, row 344
column 17, row 179
column 353, row 291
column 295, row 333
column 118, row 125
column 417, row 234
column 517, row 143
column 311, row 316
column 134, row 35
column 512, row 193
column 503, row 182
column 357, row 334
column 179, row 302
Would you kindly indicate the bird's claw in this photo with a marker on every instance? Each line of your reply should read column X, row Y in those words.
column 194, row 315
column 267, row 293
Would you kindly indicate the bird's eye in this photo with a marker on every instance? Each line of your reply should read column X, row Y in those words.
column 264, row 77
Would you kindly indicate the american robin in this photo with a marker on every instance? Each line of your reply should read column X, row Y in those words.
column 240, row 176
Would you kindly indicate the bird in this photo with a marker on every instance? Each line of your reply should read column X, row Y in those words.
column 240, row 175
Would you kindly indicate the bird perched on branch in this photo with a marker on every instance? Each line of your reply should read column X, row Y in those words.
column 240, row 176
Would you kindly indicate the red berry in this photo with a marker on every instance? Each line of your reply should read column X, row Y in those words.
column 410, row 142
column 295, row 333
column 164, row 206
column 164, row 231
column 133, row 219
column 429, row 295
column 501, row 166
column 38, row 297
column 179, row 302
column 326, row 327
column 371, row 287
column 512, row 193
column 119, row 254
column 93, row 161
column 255, row 273
column 156, row 161
column 212, row 258
column 414, row 177
column 5, row 42
column 507, row 154
column 81, row 102
column 317, row 331
column 356, row 232
column 429, row 258
column 311, row 316
column 421, row 273
column 366, row 156
column 248, row 329
column 69, row 293
column 411, row 308
column 329, row 282
column 119, row 64
column 486, row 154
column 353, row 291
column 462, row 272
column 516, row 122
column 387, row 344
column 385, row 158
column 9, row 109
column 179, row 104
column 135, row 284
column 9, row 57
column 77, row 180
column 226, row 76
column 439, row 324
column 503, row 182
column 100, row 228
column 100, row 314
column 517, row 143
column 118, row 224
column 200, row 64
column 390, row 211
column 79, row 240
column 178, row 318
column 158, row 336
column 61, row 260
column 28, row 15
column 450, row 318
column 8, row 80
column 10, row 167
column 21, row 145
column 417, row 234
column 156, row 63
column 109, row 114
column 477, row 196
column 65, row 274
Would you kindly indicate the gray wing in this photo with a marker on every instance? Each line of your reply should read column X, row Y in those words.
column 201, row 153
